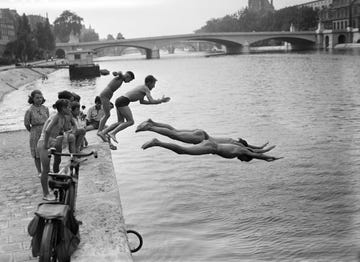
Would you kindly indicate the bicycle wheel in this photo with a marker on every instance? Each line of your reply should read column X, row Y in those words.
column 70, row 196
column 48, row 243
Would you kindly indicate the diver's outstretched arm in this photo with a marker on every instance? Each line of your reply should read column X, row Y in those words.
column 262, row 156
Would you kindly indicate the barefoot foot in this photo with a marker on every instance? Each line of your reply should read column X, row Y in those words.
column 151, row 143
column 112, row 147
column 112, row 136
column 143, row 126
column 102, row 136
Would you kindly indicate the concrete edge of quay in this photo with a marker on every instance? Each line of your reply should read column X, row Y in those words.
column 98, row 206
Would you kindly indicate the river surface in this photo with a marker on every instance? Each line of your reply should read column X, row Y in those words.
column 305, row 207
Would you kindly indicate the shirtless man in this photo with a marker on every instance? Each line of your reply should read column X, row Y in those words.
column 125, row 117
column 193, row 136
column 107, row 94
column 211, row 147
column 49, row 137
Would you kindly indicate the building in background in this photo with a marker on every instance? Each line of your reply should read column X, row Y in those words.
column 340, row 22
column 342, row 14
column 318, row 4
column 260, row 5
column 34, row 19
column 8, row 22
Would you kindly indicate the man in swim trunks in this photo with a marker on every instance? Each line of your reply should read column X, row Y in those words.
column 107, row 94
column 211, row 147
column 125, row 117
column 192, row 136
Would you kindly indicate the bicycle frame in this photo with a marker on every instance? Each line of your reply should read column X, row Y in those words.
column 64, row 182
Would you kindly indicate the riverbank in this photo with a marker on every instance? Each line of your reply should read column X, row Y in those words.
column 11, row 78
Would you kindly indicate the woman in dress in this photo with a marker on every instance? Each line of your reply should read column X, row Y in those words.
column 34, row 120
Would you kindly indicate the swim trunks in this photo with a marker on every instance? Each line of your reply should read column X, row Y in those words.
column 122, row 101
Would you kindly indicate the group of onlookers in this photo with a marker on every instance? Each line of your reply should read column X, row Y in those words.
column 66, row 127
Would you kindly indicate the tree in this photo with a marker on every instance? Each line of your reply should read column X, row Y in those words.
column 30, row 45
column 304, row 18
column 66, row 23
column 45, row 38
column 110, row 37
column 120, row 36
column 88, row 35
column 25, row 43
column 49, row 35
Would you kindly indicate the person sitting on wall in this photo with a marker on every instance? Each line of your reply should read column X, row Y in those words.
column 94, row 115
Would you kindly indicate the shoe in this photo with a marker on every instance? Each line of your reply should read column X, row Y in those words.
column 49, row 197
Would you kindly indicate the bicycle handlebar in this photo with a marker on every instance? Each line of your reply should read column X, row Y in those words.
column 52, row 151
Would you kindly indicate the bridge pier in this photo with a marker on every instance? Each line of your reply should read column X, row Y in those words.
column 153, row 53
column 171, row 49
column 320, row 43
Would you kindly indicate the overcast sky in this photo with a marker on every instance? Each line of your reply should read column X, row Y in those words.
column 138, row 18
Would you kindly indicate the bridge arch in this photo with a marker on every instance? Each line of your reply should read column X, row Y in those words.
column 232, row 47
column 296, row 43
column 143, row 50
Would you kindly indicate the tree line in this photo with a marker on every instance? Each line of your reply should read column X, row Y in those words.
column 245, row 20
column 29, row 44
column 39, row 43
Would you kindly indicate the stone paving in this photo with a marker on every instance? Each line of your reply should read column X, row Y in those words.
column 103, row 236
column 20, row 193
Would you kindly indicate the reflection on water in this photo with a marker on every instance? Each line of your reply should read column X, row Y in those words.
column 305, row 207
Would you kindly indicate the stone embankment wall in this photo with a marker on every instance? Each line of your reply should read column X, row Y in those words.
column 12, row 78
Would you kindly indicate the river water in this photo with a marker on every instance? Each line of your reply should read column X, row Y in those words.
column 305, row 207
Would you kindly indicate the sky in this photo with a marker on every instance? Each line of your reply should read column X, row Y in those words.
column 138, row 18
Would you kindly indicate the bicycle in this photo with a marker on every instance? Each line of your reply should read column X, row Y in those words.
column 58, row 227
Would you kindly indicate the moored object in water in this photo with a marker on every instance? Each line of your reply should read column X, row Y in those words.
column 84, row 71
column 104, row 72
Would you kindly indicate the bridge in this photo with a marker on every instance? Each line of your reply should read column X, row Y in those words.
column 234, row 42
